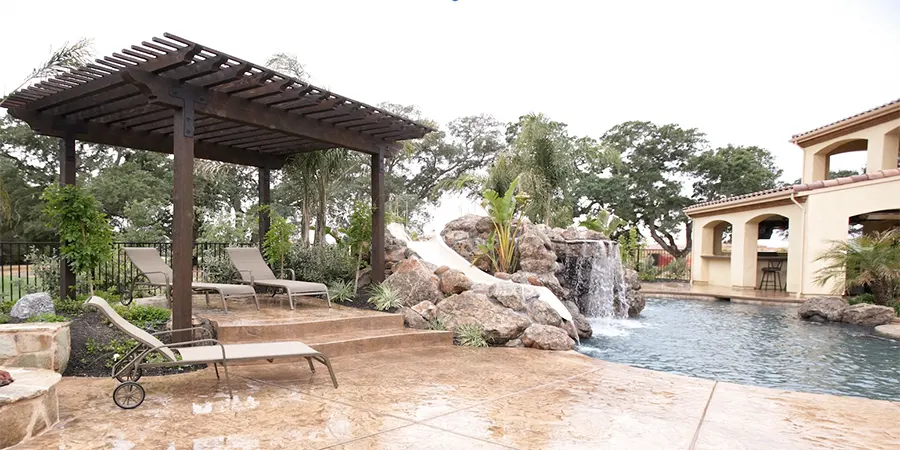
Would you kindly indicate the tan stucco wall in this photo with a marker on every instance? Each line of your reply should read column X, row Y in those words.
column 883, row 144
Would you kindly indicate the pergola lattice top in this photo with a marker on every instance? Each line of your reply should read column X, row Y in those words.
column 245, row 113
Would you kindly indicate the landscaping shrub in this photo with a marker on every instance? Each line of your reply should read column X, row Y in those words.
column 217, row 269
column 45, row 267
column 436, row 323
column 871, row 260
column 47, row 317
column 149, row 317
column 6, row 305
column 470, row 335
column 341, row 291
column 862, row 298
column 4, row 318
column 385, row 298
column 321, row 263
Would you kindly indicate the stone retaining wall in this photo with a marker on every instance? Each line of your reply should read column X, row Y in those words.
column 28, row 406
column 38, row 345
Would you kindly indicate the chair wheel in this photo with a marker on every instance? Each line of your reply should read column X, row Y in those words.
column 128, row 395
column 132, row 375
column 125, row 297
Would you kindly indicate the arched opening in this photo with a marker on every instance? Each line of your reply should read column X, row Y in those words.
column 767, row 263
column 715, row 253
column 870, row 223
column 837, row 160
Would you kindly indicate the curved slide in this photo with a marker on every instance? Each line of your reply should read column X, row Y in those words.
column 436, row 251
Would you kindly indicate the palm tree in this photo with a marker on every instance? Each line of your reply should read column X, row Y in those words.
column 544, row 156
column 871, row 260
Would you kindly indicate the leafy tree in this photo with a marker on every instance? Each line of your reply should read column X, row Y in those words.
column 84, row 233
column 639, row 173
column 730, row 170
column 277, row 243
column 871, row 260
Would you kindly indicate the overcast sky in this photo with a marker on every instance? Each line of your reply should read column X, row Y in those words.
column 749, row 74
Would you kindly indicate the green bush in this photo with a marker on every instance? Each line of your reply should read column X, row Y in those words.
column 217, row 269
column 4, row 318
column 144, row 316
column 47, row 317
column 385, row 298
column 862, row 298
column 470, row 335
column 341, row 291
column 321, row 263
column 6, row 305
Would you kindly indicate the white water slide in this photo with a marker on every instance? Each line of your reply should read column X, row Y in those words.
column 435, row 251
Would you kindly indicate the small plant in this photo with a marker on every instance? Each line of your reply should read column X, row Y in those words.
column 47, row 317
column 4, row 318
column 630, row 248
column 143, row 316
column 501, row 247
column 862, row 298
column 437, row 323
column 385, row 298
column 470, row 335
column 6, row 305
column 277, row 243
column 604, row 223
column 871, row 260
column 217, row 269
column 677, row 269
column 341, row 291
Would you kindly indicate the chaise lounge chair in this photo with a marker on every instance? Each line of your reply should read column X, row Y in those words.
column 156, row 273
column 128, row 370
column 253, row 270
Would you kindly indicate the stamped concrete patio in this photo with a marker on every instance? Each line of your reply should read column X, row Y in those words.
column 451, row 397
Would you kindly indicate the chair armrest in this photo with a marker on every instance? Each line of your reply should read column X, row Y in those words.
column 160, row 333
column 249, row 273
column 293, row 275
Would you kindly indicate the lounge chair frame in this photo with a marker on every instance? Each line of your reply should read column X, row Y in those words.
column 143, row 279
column 267, row 278
column 129, row 369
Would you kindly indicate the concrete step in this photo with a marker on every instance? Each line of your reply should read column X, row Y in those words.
column 242, row 331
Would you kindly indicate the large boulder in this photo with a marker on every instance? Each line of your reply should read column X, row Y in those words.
column 472, row 224
column 547, row 280
column 581, row 323
column 540, row 312
column 581, row 234
column 500, row 324
column 536, row 251
column 32, row 305
column 866, row 315
column 632, row 279
column 395, row 250
column 454, row 282
column 415, row 282
column 823, row 309
column 545, row 337
column 413, row 319
column 512, row 295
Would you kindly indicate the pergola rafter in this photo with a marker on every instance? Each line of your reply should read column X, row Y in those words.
column 171, row 95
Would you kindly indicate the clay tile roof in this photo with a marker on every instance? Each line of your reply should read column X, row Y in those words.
column 875, row 109
column 802, row 187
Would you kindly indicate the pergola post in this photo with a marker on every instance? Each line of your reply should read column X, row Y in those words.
column 66, row 177
column 378, row 199
column 183, row 220
column 265, row 181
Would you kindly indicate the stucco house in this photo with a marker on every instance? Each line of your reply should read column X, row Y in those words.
column 814, row 213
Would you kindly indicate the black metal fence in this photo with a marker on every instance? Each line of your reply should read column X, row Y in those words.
column 657, row 264
column 20, row 273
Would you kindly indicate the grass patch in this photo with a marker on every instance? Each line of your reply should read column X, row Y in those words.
column 47, row 317
column 470, row 335
column 436, row 323
column 143, row 316
column 341, row 291
column 385, row 298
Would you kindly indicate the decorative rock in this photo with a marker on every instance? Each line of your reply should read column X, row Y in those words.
column 822, row 309
column 32, row 305
column 514, row 343
column 544, row 279
column 536, row 251
column 413, row 319
column 580, row 234
column 454, row 282
column 452, row 237
column 510, row 295
column 500, row 324
column 540, row 312
column 5, row 378
column 425, row 309
column 632, row 279
column 502, row 275
column 415, row 282
column 481, row 288
column 545, row 337
column 440, row 270
column 636, row 302
column 36, row 345
column 866, row 315
column 581, row 323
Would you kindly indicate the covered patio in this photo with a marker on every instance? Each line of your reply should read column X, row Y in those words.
column 175, row 96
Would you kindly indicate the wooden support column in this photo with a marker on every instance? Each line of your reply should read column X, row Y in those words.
column 265, row 180
column 378, row 200
column 66, row 177
column 183, row 220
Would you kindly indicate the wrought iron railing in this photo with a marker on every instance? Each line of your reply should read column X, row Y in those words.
column 19, row 274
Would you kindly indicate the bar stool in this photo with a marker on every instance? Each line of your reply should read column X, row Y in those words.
column 772, row 275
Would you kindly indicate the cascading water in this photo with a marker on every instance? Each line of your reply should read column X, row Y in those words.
column 593, row 273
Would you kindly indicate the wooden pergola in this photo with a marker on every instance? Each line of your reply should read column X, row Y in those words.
column 171, row 95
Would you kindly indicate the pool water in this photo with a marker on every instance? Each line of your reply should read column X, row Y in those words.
column 751, row 344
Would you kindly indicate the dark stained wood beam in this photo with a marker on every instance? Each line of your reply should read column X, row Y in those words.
column 378, row 201
column 66, row 178
column 182, row 228
column 265, row 181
